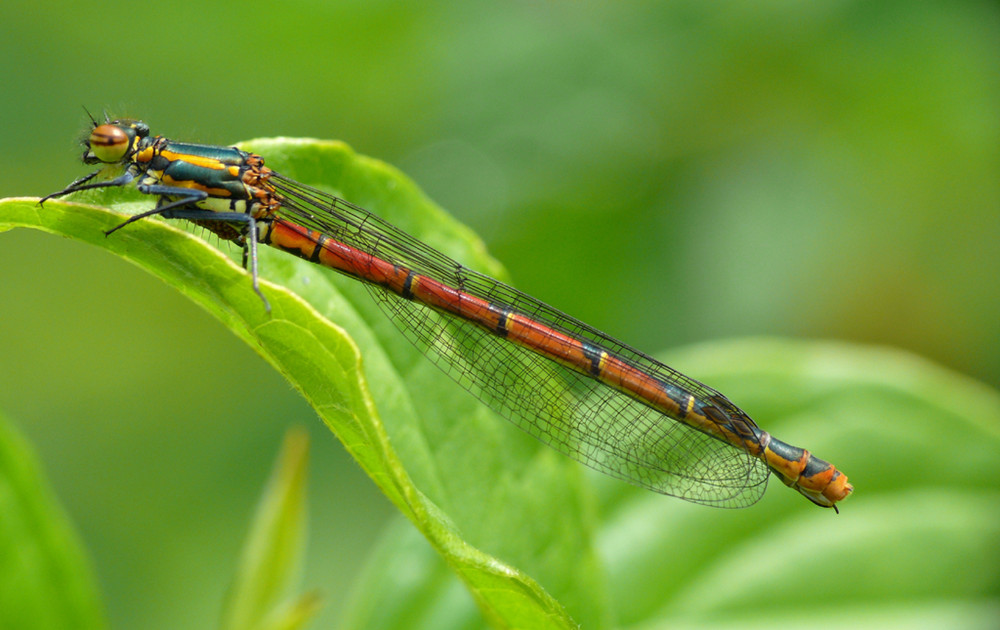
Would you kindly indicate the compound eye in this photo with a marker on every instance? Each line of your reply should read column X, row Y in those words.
column 109, row 143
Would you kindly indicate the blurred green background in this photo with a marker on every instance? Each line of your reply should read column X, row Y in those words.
column 668, row 172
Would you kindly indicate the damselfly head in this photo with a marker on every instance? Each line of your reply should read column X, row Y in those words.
column 114, row 141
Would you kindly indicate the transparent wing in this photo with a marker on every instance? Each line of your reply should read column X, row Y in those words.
column 574, row 413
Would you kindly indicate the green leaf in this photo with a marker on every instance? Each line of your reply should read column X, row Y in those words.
column 273, row 552
column 920, row 444
column 45, row 580
column 916, row 541
column 324, row 363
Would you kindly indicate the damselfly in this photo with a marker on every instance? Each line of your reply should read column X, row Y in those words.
column 571, row 386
